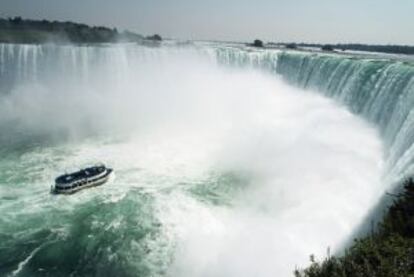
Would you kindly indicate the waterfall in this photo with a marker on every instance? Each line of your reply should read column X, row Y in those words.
column 214, row 155
column 379, row 90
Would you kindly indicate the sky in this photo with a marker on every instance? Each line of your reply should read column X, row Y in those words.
column 324, row 21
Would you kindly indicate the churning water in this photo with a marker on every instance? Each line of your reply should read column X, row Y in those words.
column 221, row 169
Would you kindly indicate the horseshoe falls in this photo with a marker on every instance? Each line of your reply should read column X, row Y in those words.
column 229, row 160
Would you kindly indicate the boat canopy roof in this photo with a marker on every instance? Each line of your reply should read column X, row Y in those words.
column 81, row 174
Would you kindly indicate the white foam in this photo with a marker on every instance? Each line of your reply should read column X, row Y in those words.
column 25, row 261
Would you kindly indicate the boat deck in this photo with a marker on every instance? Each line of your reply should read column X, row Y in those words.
column 79, row 175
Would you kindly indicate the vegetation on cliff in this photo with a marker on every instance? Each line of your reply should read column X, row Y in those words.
column 155, row 37
column 256, row 43
column 327, row 47
column 386, row 252
column 390, row 49
column 18, row 30
column 291, row 46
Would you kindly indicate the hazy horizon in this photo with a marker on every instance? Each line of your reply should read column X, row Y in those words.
column 322, row 21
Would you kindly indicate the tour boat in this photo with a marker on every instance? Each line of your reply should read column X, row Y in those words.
column 84, row 178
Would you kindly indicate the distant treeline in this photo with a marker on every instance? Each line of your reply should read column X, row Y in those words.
column 391, row 49
column 18, row 30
